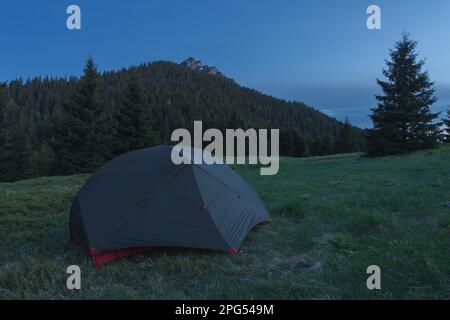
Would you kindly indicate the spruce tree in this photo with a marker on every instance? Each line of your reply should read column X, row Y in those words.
column 402, row 121
column 347, row 139
column 234, row 120
column 18, row 156
column 164, row 132
column 3, row 104
column 82, row 142
column 318, row 147
column 43, row 161
column 293, row 143
column 287, row 143
column 133, row 122
column 300, row 144
column 446, row 122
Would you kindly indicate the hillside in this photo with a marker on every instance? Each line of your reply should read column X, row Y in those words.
column 178, row 94
column 332, row 217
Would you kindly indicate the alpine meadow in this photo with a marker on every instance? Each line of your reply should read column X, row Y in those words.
column 333, row 216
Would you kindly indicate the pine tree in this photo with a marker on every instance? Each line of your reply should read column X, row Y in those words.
column 347, row 139
column 446, row 122
column 134, row 126
column 82, row 142
column 403, row 122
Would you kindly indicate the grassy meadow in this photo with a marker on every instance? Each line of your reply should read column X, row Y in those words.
column 332, row 217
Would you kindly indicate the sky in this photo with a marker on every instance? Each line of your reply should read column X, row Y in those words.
column 319, row 52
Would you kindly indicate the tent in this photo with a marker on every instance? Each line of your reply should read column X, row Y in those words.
column 142, row 200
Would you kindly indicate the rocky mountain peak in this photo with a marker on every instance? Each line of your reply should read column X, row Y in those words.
column 195, row 64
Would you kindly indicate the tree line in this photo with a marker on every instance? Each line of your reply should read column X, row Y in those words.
column 57, row 126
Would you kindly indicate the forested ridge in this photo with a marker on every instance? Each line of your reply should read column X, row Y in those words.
column 176, row 96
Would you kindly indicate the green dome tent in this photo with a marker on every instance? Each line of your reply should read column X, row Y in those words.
column 141, row 200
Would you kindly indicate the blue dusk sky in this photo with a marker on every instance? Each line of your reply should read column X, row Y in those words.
column 316, row 51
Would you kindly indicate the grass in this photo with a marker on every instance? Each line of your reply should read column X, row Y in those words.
column 332, row 218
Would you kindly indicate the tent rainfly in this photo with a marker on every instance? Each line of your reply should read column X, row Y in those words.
column 141, row 200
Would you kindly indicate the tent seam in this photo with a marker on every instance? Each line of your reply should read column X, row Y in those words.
column 229, row 188
column 209, row 216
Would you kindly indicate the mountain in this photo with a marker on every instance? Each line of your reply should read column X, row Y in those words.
column 178, row 94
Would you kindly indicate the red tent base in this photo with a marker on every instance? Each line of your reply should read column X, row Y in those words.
column 99, row 259
column 105, row 257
